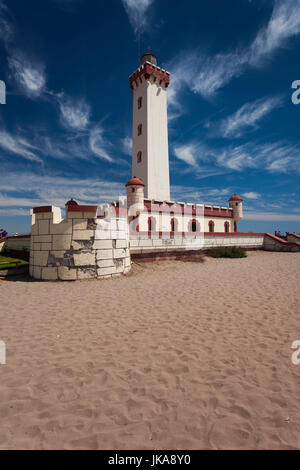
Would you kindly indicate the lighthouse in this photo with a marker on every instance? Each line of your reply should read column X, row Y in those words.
column 150, row 150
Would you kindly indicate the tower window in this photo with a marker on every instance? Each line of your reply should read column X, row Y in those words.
column 133, row 190
column 140, row 102
column 140, row 129
column 211, row 226
column 139, row 157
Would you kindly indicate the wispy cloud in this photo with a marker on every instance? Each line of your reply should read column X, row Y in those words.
column 206, row 75
column 137, row 12
column 251, row 195
column 55, row 189
column 248, row 116
column 187, row 153
column 98, row 144
column 74, row 114
column 6, row 26
column 30, row 77
column 18, row 145
column 283, row 24
column 274, row 157
column 127, row 145
column 269, row 216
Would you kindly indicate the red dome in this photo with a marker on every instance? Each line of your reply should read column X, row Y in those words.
column 71, row 203
column 235, row 197
column 135, row 182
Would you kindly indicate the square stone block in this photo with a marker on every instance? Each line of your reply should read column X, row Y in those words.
column 106, row 271
column 83, row 234
column 121, row 243
column 62, row 242
column 105, row 263
column 102, row 244
column 104, row 254
column 66, row 274
column 119, row 253
column 75, row 215
column 85, row 259
column 40, row 258
column 46, row 246
column 64, row 227
column 37, row 272
column 35, row 229
column 43, row 238
column 49, row 274
column 44, row 227
column 80, row 224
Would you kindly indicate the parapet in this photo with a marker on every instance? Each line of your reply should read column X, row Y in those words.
column 81, row 246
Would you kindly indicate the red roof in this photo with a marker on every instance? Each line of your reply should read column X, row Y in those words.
column 135, row 182
column 235, row 197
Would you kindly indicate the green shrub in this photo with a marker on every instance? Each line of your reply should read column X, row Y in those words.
column 227, row 252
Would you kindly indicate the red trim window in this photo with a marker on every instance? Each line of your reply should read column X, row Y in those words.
column 151, row 224
column 174, row 225
column 140, row 129
column 139, row 157
column 140, row 102
column 235, row 226
column 226, row 227
column 211, row 226
column 194, row 226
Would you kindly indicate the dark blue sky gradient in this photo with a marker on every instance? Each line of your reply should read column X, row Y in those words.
column 70, row 136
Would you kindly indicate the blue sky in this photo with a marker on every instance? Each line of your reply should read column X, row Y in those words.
column 65, row 130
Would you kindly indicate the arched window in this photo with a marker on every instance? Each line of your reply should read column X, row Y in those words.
column 194, row 226
column 139, row 157
column 140, row 102
column 140, row 129
column 174, row 225
column 151, row 224
column 226, row 226
column 211, row 226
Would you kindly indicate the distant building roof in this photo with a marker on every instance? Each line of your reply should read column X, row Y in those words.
column 71, row 202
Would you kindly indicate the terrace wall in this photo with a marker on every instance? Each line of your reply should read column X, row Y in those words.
column 81, row 246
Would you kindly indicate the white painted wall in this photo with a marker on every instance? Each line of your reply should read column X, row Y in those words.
column 153, row 143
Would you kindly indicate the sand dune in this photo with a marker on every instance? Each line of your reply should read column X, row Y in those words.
column 176, row 355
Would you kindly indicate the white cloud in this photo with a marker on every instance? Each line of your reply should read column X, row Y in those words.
column 6, row 27
column 17, row 145
column 275, row 157
column 206, row 75
column 127, row 145
column 186, row 153
column 251, row 195
column 75, row 114
column 136, row 11
column 283, row 24
column 248, row 116
column 98, row 144
column 30, row 77
column 55, row 190
column 269, row 216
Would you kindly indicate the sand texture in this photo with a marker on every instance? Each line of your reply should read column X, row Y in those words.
column 176, row 355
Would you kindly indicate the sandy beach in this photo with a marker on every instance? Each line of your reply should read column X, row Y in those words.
column 176, row 355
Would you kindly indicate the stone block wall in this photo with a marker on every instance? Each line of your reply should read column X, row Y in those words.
column 81, row 246
column 273, row 243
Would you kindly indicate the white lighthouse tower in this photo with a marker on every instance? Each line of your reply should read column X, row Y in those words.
column 150, row 150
